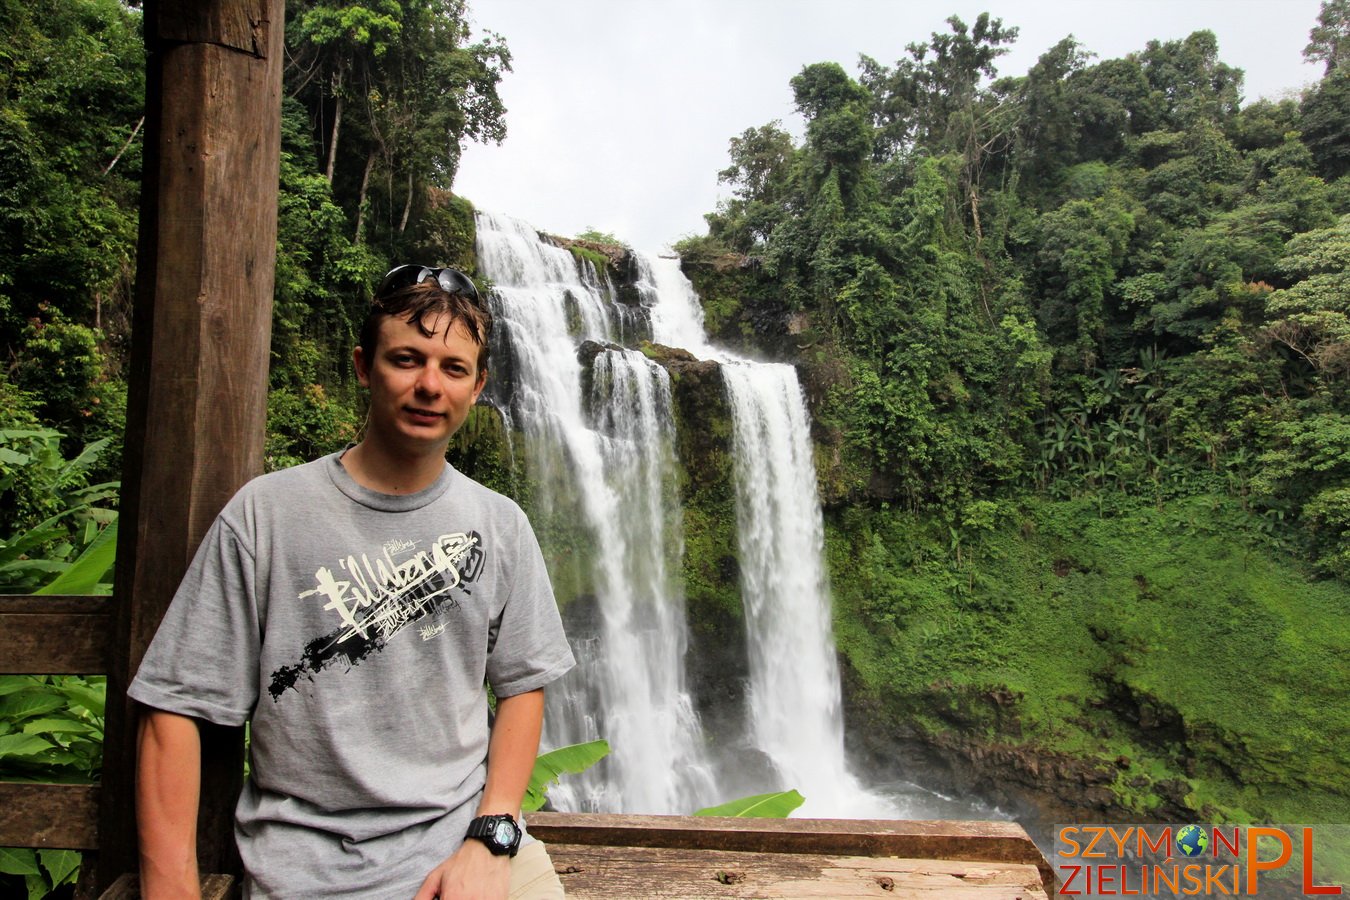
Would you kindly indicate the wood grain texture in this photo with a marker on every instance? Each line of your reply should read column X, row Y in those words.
column 638, row 873
column 49, row 816
column 966, row 841
column 54, row 635
column 241, row 26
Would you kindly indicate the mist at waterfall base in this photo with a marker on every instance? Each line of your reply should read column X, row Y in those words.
column 598, row 447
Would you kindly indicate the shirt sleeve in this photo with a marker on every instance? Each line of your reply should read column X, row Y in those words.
column 528, row 648
column 203, row 661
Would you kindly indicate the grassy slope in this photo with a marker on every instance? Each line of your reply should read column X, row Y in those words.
column 1179, row 639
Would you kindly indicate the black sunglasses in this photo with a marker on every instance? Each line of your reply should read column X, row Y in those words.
column 452, row 281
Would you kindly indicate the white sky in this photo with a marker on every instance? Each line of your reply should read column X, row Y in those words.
column 619, row 111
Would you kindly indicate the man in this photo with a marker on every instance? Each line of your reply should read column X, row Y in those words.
column 351, row 609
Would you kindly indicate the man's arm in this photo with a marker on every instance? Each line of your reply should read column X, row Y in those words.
column 168, row 785
column 472, row 871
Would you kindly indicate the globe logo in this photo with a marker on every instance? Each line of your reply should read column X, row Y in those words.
column 1192, row 840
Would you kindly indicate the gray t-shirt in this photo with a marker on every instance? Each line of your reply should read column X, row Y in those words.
column 355, row 630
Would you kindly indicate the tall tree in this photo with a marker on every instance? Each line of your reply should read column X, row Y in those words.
column 1329, row 40
column 400, row 88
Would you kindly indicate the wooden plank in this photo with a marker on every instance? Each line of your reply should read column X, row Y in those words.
column 919, row 839
column 639, row 873
column 58, row 635
column 242, row 26
column 978, row 841
column 128, row 887
column 49, row 816
column 197, row 379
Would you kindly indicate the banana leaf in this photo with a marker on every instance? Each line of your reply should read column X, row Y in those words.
column 761, row 806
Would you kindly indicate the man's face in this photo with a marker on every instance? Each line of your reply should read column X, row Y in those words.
column 421, row 388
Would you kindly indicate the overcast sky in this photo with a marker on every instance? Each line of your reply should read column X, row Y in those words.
column 619, row 111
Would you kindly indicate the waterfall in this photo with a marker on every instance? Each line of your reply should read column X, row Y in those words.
column 614, row 453
column 795, row 708
column 602, row 459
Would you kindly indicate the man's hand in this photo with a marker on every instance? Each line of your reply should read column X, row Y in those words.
column 471, row 873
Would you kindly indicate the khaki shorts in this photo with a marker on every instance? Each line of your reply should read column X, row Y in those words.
column 532, row 875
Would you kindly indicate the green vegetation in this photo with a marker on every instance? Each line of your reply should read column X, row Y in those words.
column 778, row 805
column 51, row 729
column 1178, row 638
column 570, row 759
column 1076, row 348
column 595, row 236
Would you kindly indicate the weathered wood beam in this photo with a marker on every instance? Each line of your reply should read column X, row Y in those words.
column 590, row 872
column 197, row 386
column 49, row 816
column 966, row 840
column 54, row 635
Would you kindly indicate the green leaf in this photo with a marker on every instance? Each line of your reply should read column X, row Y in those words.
column 13, row 457
column 61, row 865
column 86, row 460
column 37, row 886
column 18, row 746
column 92, row 697
column 761, row 806
column 11, row 684
column 58, row 726
column 15, row 861
column 28, row 704
column 87, row 571
column 570, row 759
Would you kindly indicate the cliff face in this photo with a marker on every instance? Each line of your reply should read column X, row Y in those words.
column 717, row 664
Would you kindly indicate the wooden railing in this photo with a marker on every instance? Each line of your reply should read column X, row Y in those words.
column 52, row 636
column 62, row 635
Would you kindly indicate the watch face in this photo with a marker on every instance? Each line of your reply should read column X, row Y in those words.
column 505, row 833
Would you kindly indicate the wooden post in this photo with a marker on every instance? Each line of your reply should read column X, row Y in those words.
column 198, row 378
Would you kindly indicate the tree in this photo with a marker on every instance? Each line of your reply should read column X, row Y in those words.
column 1082, row 246
column 399, row 87
column 1189, row 83
column 72, row 87
column 1311, row 317
column 838, row 127
column 1325, row 123
column 913, row 103
column 760, row 178
column 1329, row 40
column 1049, row 121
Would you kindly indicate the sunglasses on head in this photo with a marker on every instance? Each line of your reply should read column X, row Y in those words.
column 452, row 281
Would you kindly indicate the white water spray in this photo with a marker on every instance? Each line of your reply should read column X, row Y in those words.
column 615, row 468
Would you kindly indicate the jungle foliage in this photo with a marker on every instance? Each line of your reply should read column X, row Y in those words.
column 1098, row 276
column 1076, row 345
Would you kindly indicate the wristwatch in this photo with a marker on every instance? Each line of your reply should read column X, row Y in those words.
column 500, row 833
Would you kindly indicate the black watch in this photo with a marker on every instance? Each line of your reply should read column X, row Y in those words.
column 500, row 833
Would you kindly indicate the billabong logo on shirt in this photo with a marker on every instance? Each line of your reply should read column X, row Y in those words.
column 375, row 599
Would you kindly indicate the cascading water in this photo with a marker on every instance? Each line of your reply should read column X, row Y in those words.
column 614, row 468
column 611, row 462
column 795, row 711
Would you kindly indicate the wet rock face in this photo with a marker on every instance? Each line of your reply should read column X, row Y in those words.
column 615, row 258
column 717, row 666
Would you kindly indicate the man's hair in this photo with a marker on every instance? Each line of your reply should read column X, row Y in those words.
column 427, row 299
